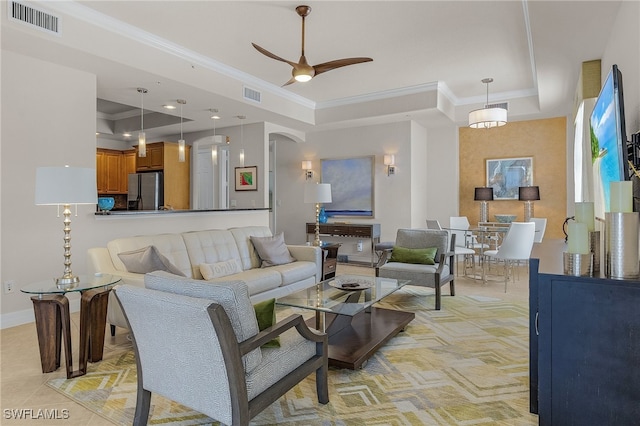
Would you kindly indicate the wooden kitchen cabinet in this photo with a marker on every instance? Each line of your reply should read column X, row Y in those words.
column 154, row 161
column 109, row 171
column 128, row 166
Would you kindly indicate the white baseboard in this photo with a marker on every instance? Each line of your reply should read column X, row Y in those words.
column 27, row 316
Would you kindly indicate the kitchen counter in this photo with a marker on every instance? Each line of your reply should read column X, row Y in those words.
column 170, row 212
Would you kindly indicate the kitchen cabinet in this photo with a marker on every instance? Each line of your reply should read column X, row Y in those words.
column 128, row 166
column 113, row 168
column 163, row 157
column 109, row 171
column 154, row 161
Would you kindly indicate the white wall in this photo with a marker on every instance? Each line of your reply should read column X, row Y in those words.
column 442, row 174
column 623, row 49
column 402, row 200
column 49, row 119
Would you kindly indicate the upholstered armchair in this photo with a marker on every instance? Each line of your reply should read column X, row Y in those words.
column 199, row 344
column 425, row 256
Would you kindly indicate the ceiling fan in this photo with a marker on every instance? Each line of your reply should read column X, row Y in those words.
column 302, row 71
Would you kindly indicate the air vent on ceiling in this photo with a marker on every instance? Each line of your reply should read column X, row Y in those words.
column 251, row 94
column 35, row 17
column 503, row 105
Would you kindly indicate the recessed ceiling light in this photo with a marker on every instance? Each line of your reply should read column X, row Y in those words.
column 169, row 106
column 126, row 135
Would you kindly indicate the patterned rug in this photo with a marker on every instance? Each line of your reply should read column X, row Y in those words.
column 464, row 365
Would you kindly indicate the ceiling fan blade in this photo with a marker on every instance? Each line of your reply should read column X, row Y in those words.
column 271, row 55
column 291, row 80
column 338, row 63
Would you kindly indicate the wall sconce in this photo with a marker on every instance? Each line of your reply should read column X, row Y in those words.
column 306, row 166
column 390, row 162
column 528, row 194
column 483, row 194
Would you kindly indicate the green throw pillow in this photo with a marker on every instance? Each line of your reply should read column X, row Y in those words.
column 425, row 256
column 266, row 316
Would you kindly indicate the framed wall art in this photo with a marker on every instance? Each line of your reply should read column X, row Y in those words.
column 247, row 178
column 352, row 185
column 506, row 175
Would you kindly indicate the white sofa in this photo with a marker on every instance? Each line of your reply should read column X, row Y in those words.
column 187, row 251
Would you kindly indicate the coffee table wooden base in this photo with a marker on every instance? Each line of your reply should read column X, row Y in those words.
column 353, row 340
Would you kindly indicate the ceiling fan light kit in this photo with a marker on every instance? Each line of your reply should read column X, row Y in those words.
column 302, row 71
column 487, row 117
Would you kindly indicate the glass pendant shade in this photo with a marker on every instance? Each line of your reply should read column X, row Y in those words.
column 142, row 137
column 142, row 144
column 242, row 158
column 181, row 149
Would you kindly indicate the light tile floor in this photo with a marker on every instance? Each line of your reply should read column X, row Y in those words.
column 23, row 383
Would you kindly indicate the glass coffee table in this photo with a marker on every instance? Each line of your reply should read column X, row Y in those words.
column 344, row 310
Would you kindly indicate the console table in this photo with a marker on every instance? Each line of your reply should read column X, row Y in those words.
column 352, row 230
column 584, row 346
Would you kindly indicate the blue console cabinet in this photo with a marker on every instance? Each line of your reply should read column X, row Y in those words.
column 584, row 349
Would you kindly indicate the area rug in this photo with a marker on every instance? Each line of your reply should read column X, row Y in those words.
column 466, row 364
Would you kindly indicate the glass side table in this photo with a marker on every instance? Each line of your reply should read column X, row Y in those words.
column 51, row 309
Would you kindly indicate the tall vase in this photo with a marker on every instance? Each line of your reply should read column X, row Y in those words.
column 322, row 216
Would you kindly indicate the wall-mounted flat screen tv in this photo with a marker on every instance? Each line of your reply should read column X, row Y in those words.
column 608, row 140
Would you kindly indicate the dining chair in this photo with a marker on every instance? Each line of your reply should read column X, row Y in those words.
column 466, row 243
column 516, row 246
column 541, row 226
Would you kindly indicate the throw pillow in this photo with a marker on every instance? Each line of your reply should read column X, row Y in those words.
column 220, row 269
column 266, row 316
column 272, row 250
column 147, row 259
column 424, row 256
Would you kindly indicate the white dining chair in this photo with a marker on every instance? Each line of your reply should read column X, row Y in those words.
column 541, row 226
column 466, row 243
column 516, row 246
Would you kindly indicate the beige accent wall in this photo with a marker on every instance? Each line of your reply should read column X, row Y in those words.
column 544, row 141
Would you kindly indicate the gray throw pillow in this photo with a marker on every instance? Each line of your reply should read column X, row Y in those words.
column 147, row 259
column 272, row 250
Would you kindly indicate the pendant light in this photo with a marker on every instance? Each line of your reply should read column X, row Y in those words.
column 142, row 138
column 241, row 117
column 489, row 116
column 181, row 147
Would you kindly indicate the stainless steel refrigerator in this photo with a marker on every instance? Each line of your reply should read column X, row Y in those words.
column 146, row 191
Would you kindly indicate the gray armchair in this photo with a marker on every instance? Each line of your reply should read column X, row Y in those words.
column 434, row 276
column 205, row 351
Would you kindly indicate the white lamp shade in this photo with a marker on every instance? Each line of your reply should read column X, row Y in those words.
column 389, row 160
column 66, row 185
column 486, row 118
column 317, row 193
column 306, row 165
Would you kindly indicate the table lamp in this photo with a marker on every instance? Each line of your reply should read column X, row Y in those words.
column 483, row 194
column 63, row 186
column 528, row 194
column 317, row 193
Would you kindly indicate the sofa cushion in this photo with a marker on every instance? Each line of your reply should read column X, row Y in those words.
column 295, row 271
column 257, row 280
column 220, row 269
column 233, row 296
column 248, row 254
column 147, row 259
column 210, row 246
column 170, row 246
column 272, row 250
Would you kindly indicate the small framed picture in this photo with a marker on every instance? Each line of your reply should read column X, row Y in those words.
column 247, row 178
